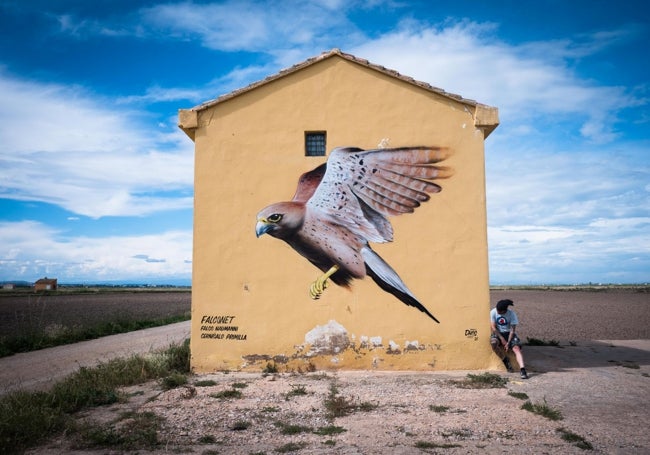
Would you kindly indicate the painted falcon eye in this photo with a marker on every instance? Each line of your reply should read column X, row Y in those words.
column 275, row 218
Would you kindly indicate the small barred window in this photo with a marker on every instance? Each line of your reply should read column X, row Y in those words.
column 315, row 143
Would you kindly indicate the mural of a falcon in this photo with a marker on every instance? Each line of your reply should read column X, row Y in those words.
column 343, row 204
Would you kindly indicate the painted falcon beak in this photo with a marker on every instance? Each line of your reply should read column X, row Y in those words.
column 262, row 227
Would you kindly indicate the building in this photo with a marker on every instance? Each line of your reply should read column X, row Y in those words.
column 250, row 300
column 46, row 284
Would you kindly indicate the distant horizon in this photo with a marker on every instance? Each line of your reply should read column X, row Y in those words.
column 188, row 283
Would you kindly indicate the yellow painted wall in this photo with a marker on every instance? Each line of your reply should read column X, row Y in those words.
column 250, row 153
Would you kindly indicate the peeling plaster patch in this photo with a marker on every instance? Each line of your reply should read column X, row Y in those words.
column 280, row 359
column 254, row 358
column 412, row 345
column 330, row 338
column 370, row 342
column 384, row 143
column 363, row 342
column 393, row 348
column 257, row 358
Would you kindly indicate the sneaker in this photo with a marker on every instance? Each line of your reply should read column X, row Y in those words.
column 506, row 362
column 524, row 375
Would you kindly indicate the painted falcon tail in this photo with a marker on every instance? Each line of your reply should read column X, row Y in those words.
column 388, row 279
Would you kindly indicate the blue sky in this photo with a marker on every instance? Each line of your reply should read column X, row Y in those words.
column 96, row 178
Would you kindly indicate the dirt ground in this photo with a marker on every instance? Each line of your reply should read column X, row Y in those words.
column 598, row 379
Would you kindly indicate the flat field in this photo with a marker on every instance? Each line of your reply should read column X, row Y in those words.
column 603, row 313
column 576, row 315
column 22, row 313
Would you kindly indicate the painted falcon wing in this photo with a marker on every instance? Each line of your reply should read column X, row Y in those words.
column 361, row 188
column 308, row 182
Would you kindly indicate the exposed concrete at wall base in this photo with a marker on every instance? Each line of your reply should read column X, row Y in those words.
column 250, row 299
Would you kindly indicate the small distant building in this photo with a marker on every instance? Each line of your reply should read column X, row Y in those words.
column 8, row 286
column 45, row 284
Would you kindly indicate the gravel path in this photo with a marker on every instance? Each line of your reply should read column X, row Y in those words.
column 39, row 369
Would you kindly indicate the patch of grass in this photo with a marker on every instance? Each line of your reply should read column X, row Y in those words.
column 239, row 385
column 538, row 342
column 337, row 405
column 291, row 447
column 177, row 357
column 270, row 409
column 173, row 381
column 287, row 428
column 518, row 395
column 205, row 383
column 296, row 390
column 207, row 439
column 435, row 445
column 134, row 431
column 241, row 425
column 482, row 381
column 575, row 439
column 543, row 410
column 366, row 406
column 226, row 394
column 438, row 408
column 458, row 433
column 329, row 430
column 270, row 368
column 27, row 418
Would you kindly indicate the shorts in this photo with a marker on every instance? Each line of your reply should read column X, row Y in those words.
column 514, row 342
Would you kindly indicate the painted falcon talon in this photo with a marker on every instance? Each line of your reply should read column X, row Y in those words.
column 318, row 287
column 343, row 204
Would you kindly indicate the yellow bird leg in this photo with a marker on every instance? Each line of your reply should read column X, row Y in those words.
column 318, row 287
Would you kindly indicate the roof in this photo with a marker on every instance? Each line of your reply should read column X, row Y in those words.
column 486, row 117
column 46, row 281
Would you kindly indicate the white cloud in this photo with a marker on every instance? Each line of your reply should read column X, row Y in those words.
column 61, row 145
column 251, row 26
column 569, row 217
column 31, row 250
column 234, row 79
column 526, row 81
column 596, row 252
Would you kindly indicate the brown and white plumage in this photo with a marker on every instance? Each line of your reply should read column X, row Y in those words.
column 342, row 205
